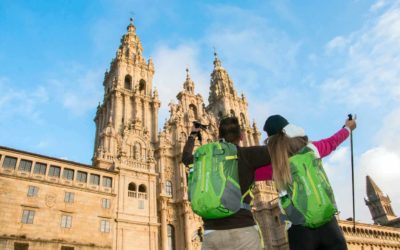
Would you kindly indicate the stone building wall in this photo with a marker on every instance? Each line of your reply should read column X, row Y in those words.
column 63, row 210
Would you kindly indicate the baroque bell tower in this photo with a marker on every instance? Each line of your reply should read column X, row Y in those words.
column 126, row 131
column 224, row 101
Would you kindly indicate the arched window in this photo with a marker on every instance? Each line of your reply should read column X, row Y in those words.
column 171, row 237
column 132, row 186
column 142, row 86
column 132, row 190
column 142, row 192
column 168, row 188
column 128, row 82
column 142, row 188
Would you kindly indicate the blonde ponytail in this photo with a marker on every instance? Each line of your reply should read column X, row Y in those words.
column 280, row 148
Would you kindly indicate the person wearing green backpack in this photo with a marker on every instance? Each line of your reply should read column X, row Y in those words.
column 305, row 194
column 221, row 176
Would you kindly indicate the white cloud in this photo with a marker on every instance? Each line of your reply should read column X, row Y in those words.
column 371, row 71
column 77, row 89
column 389, row 134
column 378, row 5
column 170, row 75
column 19, row 102
column 336, row 43
column 383, row 165
column 249, row 43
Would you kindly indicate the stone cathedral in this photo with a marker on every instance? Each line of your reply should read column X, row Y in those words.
column 134, row 195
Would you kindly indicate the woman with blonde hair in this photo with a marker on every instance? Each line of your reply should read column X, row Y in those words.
column 306, row 197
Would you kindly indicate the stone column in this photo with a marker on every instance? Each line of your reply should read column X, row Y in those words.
column 154, row 122
column 164, row 233
column 127, row 108
column 188, row 240
column 118, row 111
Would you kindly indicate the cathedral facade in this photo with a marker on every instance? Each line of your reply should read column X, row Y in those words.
column 134, row 195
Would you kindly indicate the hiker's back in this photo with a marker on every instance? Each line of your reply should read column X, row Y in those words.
column 214, row 188
column 310, row 201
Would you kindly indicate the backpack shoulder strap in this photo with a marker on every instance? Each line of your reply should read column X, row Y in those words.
column 314, row 148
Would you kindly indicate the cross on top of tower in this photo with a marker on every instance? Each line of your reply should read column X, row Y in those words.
column 131, row 27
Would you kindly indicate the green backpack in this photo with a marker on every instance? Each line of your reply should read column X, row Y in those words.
column 213, row 181
column 309, row 200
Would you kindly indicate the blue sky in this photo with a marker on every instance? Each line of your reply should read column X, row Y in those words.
column 313, row 62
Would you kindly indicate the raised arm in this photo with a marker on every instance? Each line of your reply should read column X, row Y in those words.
column 326, row 146
column 187, row 154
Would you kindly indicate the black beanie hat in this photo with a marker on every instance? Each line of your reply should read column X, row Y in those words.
column 274, row 124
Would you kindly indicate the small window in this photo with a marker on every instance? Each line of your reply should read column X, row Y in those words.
column 142, row 85
column 132, row 186
column 105, row 203
column 104, row 226
column 27, row 216
column 10, row 162
column 40, row 168
column 94, row 179
column 67, row 248
column 128, row 82
column 21, row 246
column 142, row 188
column 32, row 191
column 141, row 204
column 171, row 237
column 66, row 221
column 107, row 181
column 68, row 174
column 81, row 176
column 54, row 171
column 168, row 188
column 25, row 166
column 69, row 197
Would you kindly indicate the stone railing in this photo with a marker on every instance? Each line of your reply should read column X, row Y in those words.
column 139, row 195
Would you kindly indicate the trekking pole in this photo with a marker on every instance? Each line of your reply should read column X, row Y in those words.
column 352, row 174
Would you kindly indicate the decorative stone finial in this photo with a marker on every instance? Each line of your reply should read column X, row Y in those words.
column 131, row 27
column 187, row 73
column 217, row 62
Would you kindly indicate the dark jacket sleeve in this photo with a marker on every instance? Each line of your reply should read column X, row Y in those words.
column 258, row 156
column 187, row 154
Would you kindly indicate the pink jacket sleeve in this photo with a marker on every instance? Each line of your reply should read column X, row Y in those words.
column 263, row 173
column 324, row 146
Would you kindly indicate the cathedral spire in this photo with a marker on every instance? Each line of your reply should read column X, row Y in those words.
column 378, row 204
column 188, row 85
column 221, row 86
column 373, row 191
column 217, row 62
column 130, row 48
column 131, row 28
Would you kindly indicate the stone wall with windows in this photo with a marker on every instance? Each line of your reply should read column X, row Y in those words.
column 49, row 203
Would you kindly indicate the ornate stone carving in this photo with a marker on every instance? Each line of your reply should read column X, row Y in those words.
column 51, row 199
